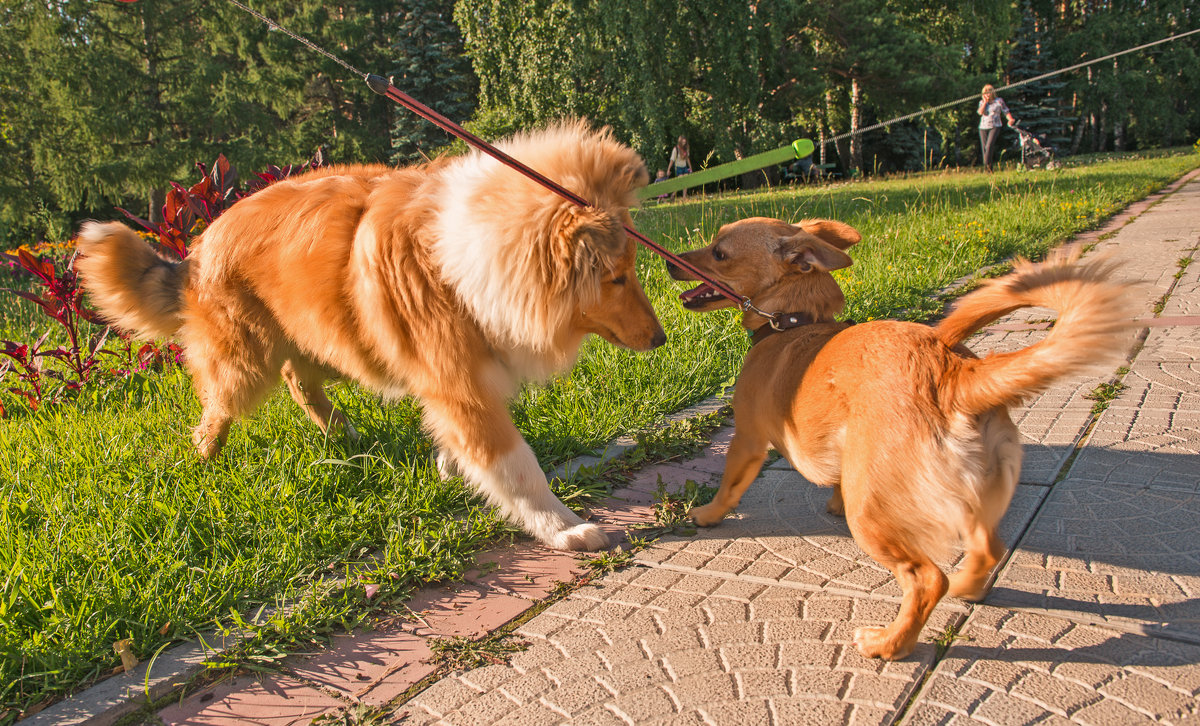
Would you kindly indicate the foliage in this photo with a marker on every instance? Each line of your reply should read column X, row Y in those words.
column 104, row 103
column 188, row 211
column 60, row 298
column 460, row 653
column 1037, row 106
column 429, row 66
column 1138, row 101
column 651, row 70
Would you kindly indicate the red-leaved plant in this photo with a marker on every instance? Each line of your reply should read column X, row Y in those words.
column 61, row 300
column 189, row 210
column 186, row 212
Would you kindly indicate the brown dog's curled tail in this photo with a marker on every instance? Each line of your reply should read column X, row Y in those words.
column 1092, row 329
column 132, row 286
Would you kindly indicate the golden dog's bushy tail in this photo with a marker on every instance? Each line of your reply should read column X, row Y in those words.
column 128, row 282
column 1092, row 329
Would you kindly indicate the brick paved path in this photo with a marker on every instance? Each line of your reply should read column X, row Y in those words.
column 1094, row 619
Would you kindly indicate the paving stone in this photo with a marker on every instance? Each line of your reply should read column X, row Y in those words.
column 1066, row 672
column 781, row 534
column 753, row 621
column 458, row 610
column 524, row 570
column 754, row 712
column 374, row 666
column 619, row 659
column 1119, row 554
column 1151, row 438
column 274, row 700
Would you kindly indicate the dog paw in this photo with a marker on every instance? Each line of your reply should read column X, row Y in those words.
column 581, row 537
column 835, row 506
column 970, row 588
column 878, row 643
column 707, row 515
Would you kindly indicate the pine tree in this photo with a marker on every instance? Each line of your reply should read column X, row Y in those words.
column 1037, row 106
column 431, row 67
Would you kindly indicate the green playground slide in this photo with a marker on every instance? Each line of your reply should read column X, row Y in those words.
column 796, row 150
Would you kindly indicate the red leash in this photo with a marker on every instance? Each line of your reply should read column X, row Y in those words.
column 380, row 85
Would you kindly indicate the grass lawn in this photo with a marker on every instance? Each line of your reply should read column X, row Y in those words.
column 110, row 527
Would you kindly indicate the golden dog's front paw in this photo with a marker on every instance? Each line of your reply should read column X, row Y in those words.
column 581, row 537
column 878, row 643
column 707, row 515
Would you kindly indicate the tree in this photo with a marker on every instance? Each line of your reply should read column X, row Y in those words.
column 115, row 100
column 1139, row 100
column 429, row 66
column 708, row 69
column 884, row 57
column 1037, row 105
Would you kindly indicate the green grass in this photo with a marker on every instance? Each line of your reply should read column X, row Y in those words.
column 111, row 528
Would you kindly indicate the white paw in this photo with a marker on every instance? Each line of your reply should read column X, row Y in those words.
column 581, row 537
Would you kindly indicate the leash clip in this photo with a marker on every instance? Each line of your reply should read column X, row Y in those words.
column 772, row 318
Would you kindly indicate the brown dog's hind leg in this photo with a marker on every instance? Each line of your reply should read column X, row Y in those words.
column 984, row 550
column 304, row 381
column 835, row 505
column 922, row 582
column 742, row 464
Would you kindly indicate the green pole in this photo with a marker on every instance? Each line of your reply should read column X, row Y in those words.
column 798, row 149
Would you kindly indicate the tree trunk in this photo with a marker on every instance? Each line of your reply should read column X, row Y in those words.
column 158, row 197
column 1119, row 111
column 1080, row 126
column 839, row 146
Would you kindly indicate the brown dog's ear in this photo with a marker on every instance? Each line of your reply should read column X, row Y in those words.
column 838, row 234
column 808, row 252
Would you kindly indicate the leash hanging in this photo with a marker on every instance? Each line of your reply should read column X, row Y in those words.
column 383, row 87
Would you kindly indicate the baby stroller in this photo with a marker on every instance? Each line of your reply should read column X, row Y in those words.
column 1035, row 151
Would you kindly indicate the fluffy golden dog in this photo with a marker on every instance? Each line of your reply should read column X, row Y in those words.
column 452, row 282
column 909, row 428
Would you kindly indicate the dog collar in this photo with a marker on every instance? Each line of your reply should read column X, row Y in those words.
column 781, row 322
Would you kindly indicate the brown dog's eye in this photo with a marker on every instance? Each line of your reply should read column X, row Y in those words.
column 718, row 255
column 618, row 280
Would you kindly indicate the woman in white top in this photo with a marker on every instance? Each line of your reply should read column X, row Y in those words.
column 991, row 109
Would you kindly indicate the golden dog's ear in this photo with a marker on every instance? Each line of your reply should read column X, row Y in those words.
column 595, row 231
column 838, row 234
column 808, row 252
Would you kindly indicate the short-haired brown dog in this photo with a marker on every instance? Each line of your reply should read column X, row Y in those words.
column 909, row 428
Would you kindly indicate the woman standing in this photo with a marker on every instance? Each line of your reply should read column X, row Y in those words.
column 681, row 161
column 991, row 109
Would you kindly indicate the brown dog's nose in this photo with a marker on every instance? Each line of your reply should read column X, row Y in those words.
column 659, row 338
